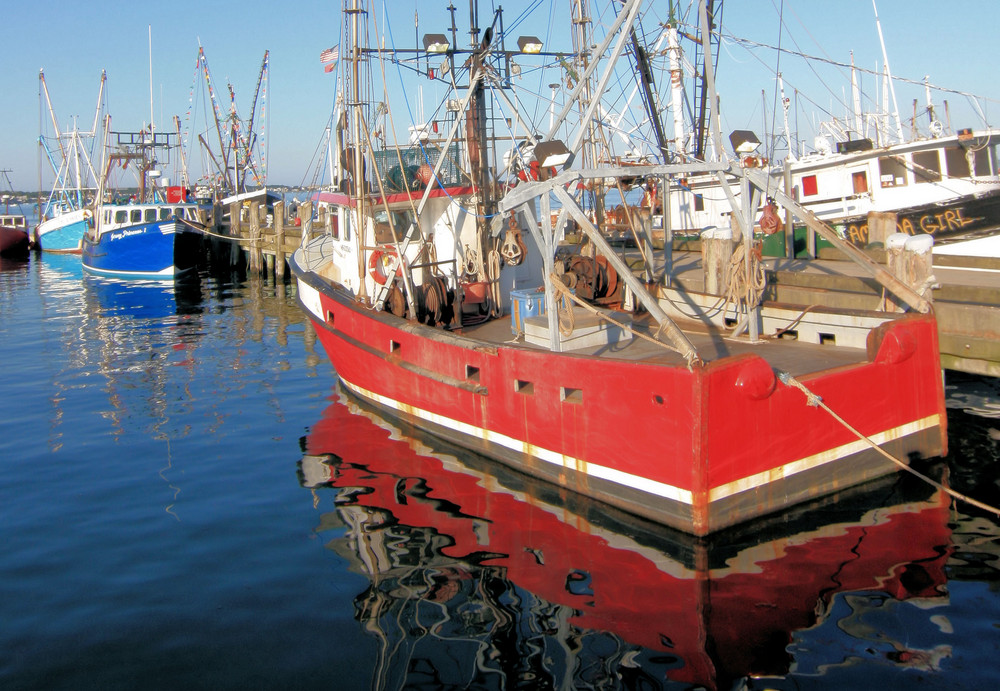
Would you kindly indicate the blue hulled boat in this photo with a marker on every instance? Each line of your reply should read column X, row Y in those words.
column 155, row 233
column 64, row 231
column 67, row 213
column 157, row 240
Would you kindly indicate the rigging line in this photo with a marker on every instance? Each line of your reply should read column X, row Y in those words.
column 423, row 149
column 774, row 100
column 835, row 63
column 813, row 399
column 525, row 13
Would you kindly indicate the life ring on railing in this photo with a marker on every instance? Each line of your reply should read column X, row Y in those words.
column 378, row 262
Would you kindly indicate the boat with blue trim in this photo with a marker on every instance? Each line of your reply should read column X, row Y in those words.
column 155, row 233
column 157, row 240
column 67, row 213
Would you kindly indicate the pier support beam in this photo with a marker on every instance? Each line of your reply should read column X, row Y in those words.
column 279, row 242
column 256, row 255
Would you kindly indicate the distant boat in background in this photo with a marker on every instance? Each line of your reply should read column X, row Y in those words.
column 931, row 180
column 64, row 231
column 65, row 215
column 14, row 239
column 13, row 235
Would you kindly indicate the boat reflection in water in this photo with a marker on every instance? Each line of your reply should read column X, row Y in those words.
column 490, row 582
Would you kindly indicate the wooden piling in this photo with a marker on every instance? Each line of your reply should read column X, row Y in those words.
column 716, row 253
column 279, row 241
column 881, row 224
column 305, row 215
column 911, row 260
column 256, row 255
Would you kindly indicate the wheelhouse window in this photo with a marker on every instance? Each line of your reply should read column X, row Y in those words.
column 384, row 230
column 982, row 166
column 927, row 166
column 892, row 171
column 699, row 202
column 165, row 213
column 809, row 186
column 150, row 215
column 121, row 216
column 860, row 182
column 135, row 216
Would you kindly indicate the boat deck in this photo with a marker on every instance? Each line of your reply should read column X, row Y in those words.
column 796, row 357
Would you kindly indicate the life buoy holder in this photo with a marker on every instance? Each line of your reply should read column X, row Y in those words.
column 377, row 265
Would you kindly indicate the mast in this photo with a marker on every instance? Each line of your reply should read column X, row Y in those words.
column 856, row 97
column 785, row 103
column 648, row 91
column 676, row 90
column 356, row 115
column 888, row 75
column 151, row 128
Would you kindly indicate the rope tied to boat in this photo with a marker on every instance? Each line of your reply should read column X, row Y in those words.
column 744, row 290
column 815, row 400
column 565, row 292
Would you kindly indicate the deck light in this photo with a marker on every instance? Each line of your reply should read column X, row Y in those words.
column 436, row 43
column 551, row 154
column 529, row 44
column 744, row 141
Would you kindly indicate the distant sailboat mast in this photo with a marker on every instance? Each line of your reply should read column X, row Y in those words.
column 888, row 75
column 150, row 26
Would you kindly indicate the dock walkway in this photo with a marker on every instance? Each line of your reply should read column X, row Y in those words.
column 966, row 298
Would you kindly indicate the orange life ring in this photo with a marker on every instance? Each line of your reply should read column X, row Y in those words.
column 377, row 262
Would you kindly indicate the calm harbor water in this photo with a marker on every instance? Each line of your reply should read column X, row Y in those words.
column 189, row 502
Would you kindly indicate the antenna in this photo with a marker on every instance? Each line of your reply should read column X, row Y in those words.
column 150, row 26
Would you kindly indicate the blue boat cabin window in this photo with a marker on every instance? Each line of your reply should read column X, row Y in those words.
column 165, row 213
column 150, row 215
column 121, row 216
column 135, row 216
column 927, row 166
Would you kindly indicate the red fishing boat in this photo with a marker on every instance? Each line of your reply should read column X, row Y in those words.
column 604, row 380
column 495, row 566
column 14, row 237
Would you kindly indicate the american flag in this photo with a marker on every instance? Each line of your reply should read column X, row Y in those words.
column 330, row 55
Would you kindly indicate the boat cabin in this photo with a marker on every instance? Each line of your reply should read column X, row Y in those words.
column 113, row 217
column 13, row 221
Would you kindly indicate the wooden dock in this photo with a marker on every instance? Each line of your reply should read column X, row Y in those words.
column 966, row 298
column 262, row 238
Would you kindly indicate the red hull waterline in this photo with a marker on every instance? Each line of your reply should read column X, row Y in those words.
column 697, row 449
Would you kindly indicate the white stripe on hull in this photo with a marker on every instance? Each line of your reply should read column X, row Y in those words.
column 637, row 482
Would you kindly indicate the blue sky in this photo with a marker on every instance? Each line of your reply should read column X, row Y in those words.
column 74, row 41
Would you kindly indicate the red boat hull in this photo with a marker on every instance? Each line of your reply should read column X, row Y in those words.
column 14, row 242
column 698, row 449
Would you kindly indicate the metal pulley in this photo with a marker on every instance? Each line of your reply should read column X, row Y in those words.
column 513, row 248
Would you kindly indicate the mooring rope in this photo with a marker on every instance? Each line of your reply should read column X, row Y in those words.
column 743, row 289
column 565, row 291
column 815, row 400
